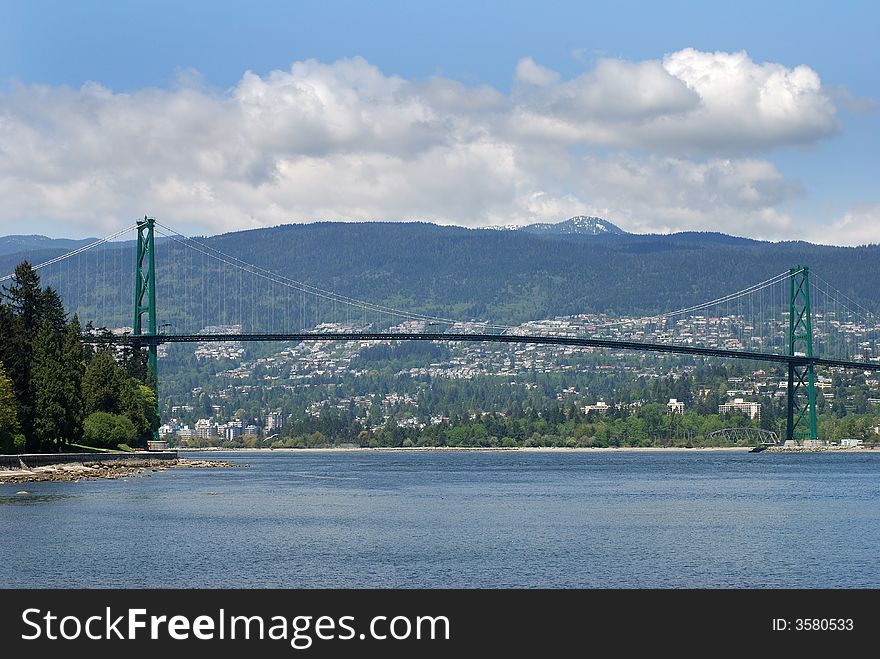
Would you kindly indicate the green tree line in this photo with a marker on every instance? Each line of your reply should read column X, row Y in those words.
column 54, row 389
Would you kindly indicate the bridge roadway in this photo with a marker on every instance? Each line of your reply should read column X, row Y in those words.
column 583, row 342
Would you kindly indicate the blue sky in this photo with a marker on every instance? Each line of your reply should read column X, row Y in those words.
column 470, row 113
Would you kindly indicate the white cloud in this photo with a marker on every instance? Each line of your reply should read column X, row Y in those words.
column 745, row 105
column 859, row 226
column 663, row 194
column 531, row 73
column 613, row 92
column 346, row 141
column 844, row 99
column 690, row 103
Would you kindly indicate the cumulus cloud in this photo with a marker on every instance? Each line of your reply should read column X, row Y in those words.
column 749, row 105
column 691, row 102
column 682, row 142
column 664, row 194
column 613, row 92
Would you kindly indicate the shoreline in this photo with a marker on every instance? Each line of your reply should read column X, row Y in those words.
column 486, row 449
column 74, row 472
column 538, row 449
column 533, row 449
column 77, row 471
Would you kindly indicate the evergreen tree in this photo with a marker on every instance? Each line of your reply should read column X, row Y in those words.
column 7, row 331
column 54, row 376
column 25, row 299
column 134, row 361
column 74, row 366
column 139, row 406
column 9, row 426
column 104, row 384
column 50, row 386
column 50, row 309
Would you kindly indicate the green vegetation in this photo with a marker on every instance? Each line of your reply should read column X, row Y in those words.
column 55, row 391
column 107, row 430
column 11, row 439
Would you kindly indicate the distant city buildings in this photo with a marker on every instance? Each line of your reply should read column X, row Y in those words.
column 220, row 349
column 317, row 365
column 208, row 428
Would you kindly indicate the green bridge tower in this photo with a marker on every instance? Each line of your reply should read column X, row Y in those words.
column 801, row 423
column 145, row 296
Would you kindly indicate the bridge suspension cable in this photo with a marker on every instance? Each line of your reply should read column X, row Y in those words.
column 756, row 310
column 75, row 252
column 95, row 283
column 782, row 276
column 303, row 287
column 843, row 326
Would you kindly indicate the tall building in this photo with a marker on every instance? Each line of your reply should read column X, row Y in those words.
column 274, row 421
column 601, row 407
column 750, row 409
column 674, row 406
column 203, row 428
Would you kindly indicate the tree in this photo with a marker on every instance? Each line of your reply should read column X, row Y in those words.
column 139, row 406
column 49, row 385
column 7, row 331
column 54, row 375
column 51, row 381
column 9, row 426
column 134, row 361
column 50, row 309
column 104, row 384
column 26, row 301
column 74, row 367
column 103, row 429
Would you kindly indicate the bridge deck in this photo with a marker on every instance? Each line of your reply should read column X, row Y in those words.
column 146, row 340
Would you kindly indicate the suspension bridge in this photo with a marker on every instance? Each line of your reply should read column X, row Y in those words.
column 795, row 318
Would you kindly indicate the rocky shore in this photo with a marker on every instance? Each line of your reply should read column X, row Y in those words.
column 820, row 449
column 78, row 471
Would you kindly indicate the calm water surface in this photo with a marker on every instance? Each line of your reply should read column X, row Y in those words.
column 457, row 519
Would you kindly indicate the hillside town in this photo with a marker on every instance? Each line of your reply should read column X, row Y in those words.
column 321, row 364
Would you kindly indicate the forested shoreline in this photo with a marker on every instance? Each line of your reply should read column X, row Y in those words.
column 57, row 391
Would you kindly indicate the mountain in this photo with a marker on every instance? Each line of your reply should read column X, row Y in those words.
column 710, row 238
column 503, row 276
column 583, row 225
column 580, row 225
column 22, row 244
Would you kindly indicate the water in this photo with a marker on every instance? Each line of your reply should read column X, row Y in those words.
column 457, row 519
